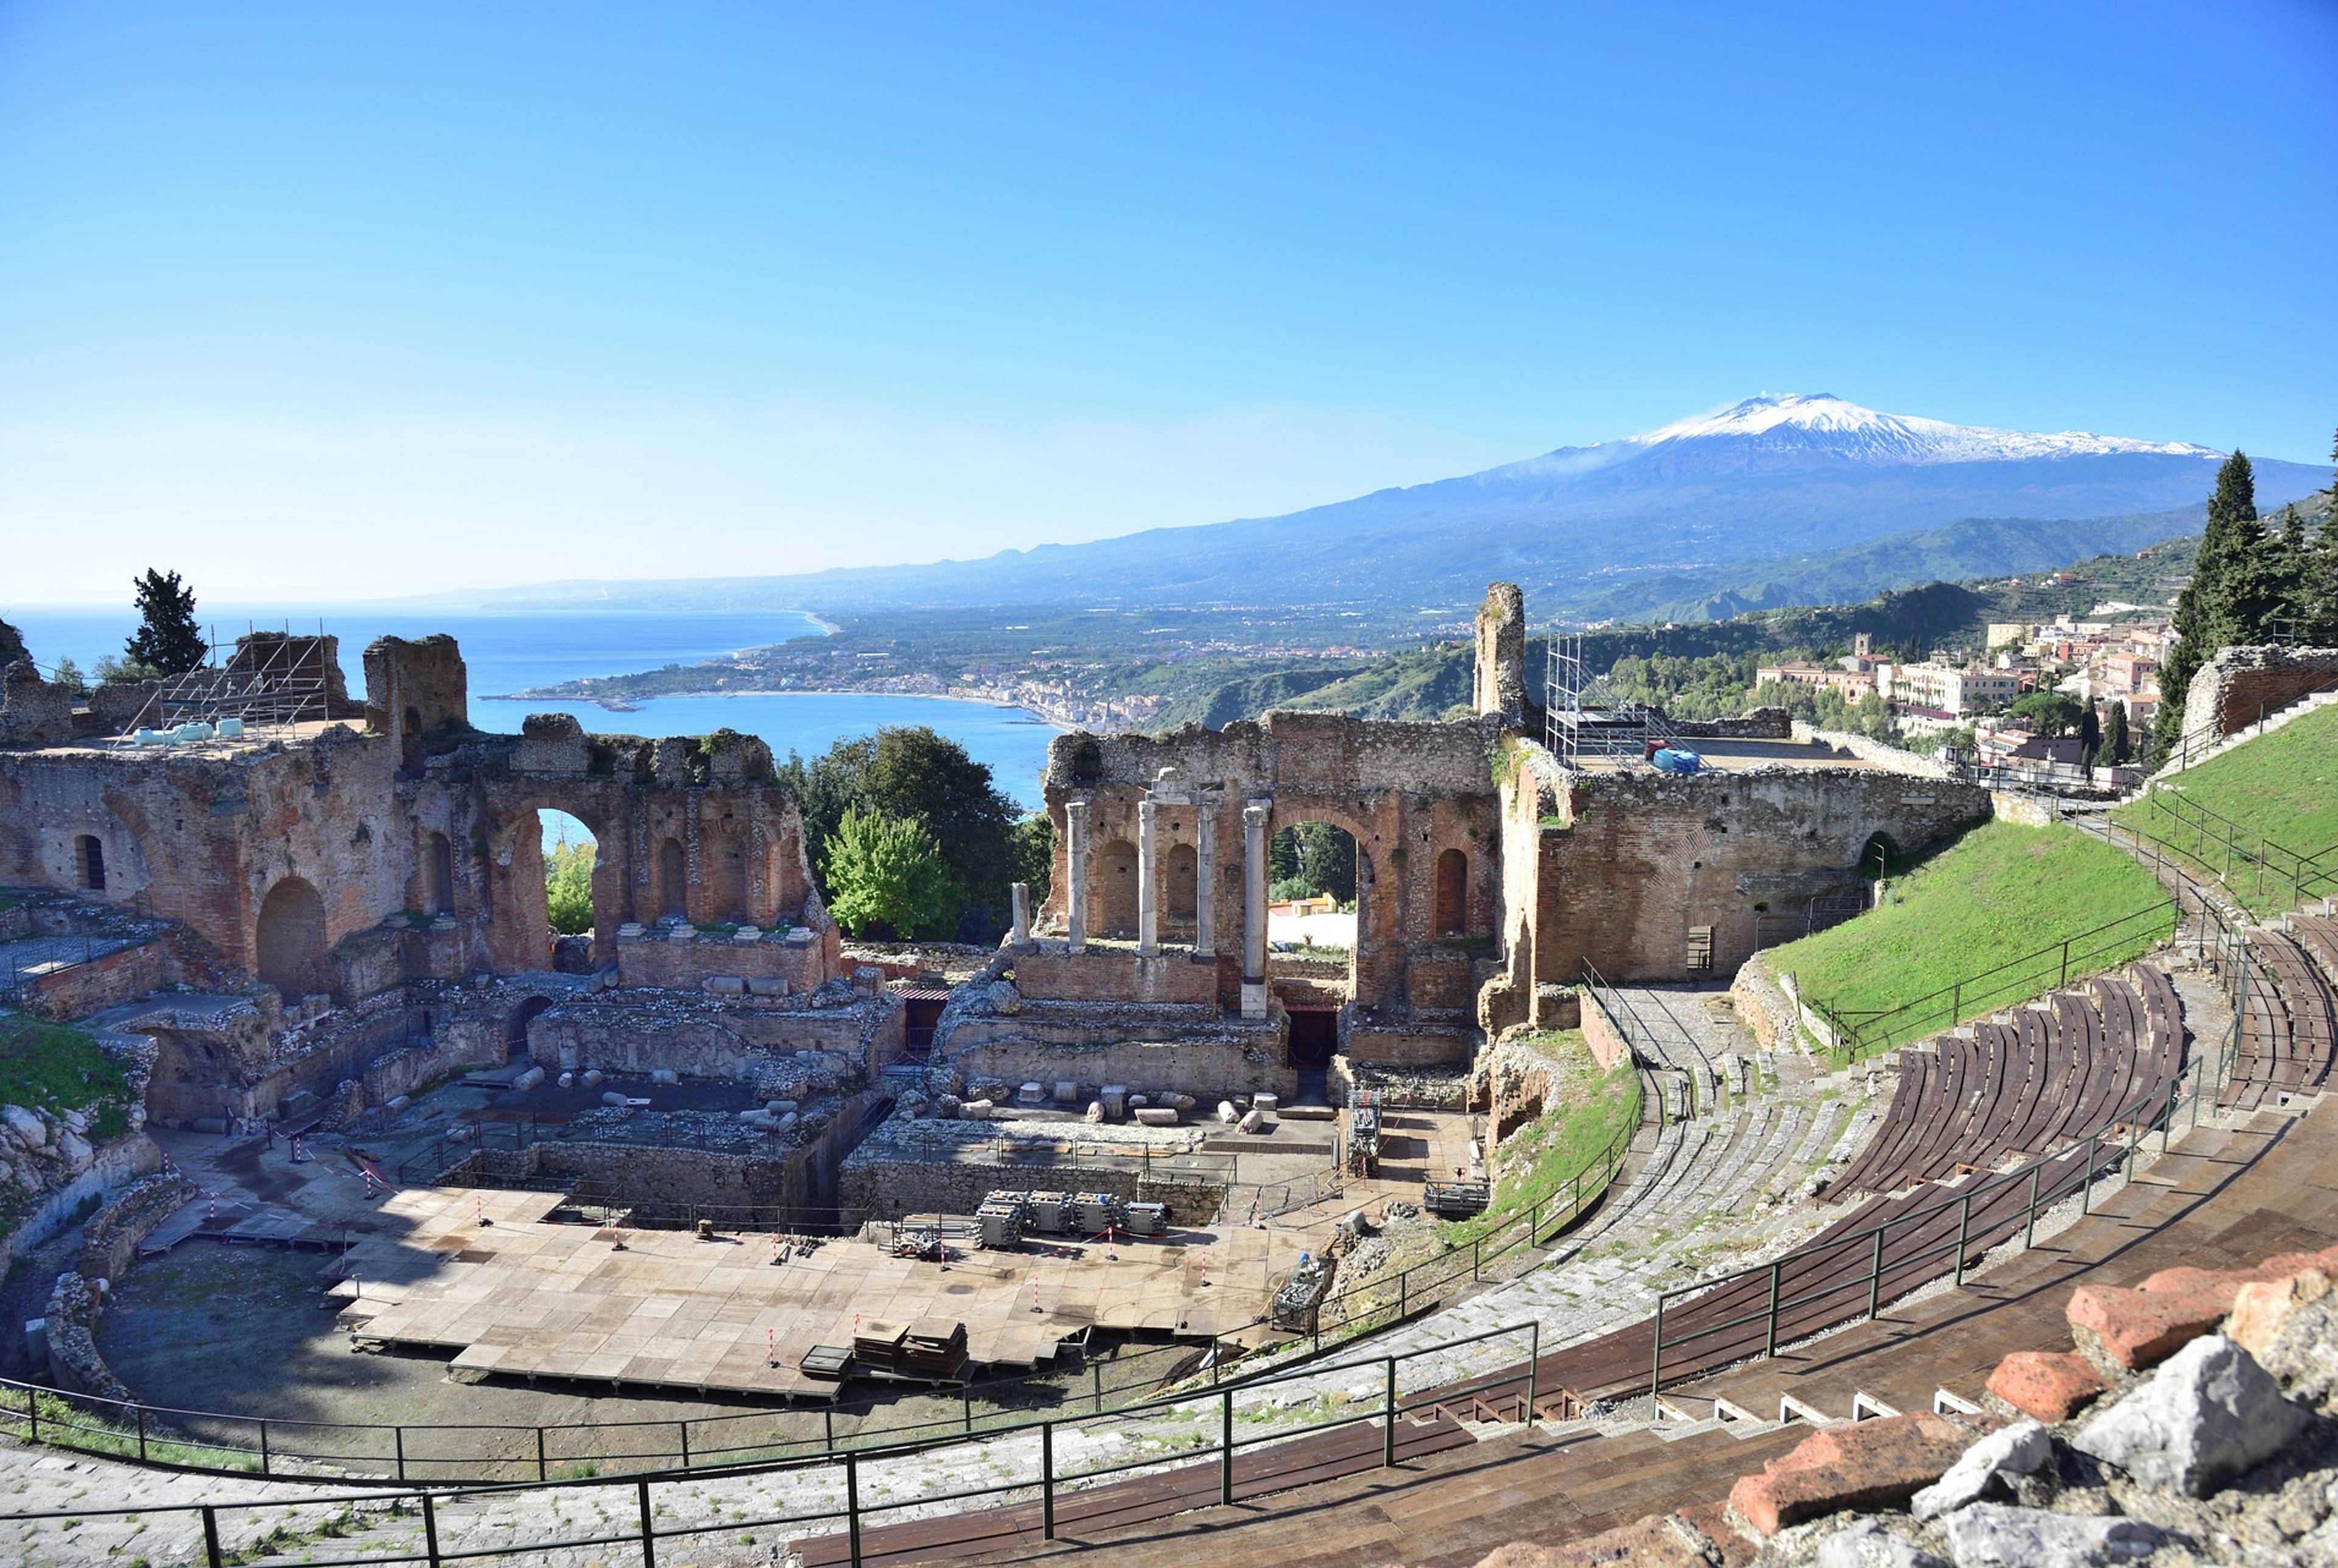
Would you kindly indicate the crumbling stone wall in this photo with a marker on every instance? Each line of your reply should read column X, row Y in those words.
column 78, row 990
column 2241, row 685
column 1500, row 683
column 32, row 711
column 1638, row 861
column 1406, row 792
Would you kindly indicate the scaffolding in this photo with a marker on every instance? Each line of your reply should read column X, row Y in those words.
column 274, row 680
column 1585, row 718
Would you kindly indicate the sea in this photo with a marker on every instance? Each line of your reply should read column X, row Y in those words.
column 516, row 651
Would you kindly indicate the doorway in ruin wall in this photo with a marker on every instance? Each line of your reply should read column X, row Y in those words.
column 288, row 944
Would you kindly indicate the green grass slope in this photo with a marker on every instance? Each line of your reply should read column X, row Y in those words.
column 1978, row 927
column 2262, row 818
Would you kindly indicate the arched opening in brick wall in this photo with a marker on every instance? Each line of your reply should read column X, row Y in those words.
column 673, row 880
column 571, row 855
column 437, row 874
column 722, row 870
column 89, row 863
column 290, row 942
column 1450, row 912
column 1179, row 884
column 1115, row 888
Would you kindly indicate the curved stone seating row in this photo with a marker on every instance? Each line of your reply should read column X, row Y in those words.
column 2289, row 1015
column 2023, row 1083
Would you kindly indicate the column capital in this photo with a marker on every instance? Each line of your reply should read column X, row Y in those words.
column 1254, row 812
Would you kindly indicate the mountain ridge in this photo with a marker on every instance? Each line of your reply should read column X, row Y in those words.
column 1763, row 479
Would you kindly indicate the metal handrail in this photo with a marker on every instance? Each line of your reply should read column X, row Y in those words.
column 2153, row 1111
column 1391, row 1404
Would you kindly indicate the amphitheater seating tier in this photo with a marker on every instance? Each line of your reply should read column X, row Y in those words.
column 2042, row 1077
column 2289, row 1016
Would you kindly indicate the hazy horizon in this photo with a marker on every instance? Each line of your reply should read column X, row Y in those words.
column 336, row 306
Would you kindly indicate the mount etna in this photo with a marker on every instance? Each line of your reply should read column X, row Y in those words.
column 1711, row 514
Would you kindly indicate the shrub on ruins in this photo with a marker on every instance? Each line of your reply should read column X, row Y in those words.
column 568, row 887
column 887, row 879
column 910, row 772
column 167, row 640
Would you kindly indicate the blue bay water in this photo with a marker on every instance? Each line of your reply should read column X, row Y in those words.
column 508, row 653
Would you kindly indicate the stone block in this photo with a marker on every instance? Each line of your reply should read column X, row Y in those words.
column 766, row 985
column 531, row 1079
column 683, row 934
column 1156, row 1115
column 593, row 1076
column 1031, row 1094
column 2205, row 1417
column 1863, row 1465
column 1095, row 1111
column 1990, row 1534
column 1263, row 1102
column 1226, row 1112
column 2050, row 1385
column 2262, row 1307
column 747, row 935
column 2020, row 1449
column 612, row 1099
column 1867, row 1545
column 629, row 931
column 780, row 1107
column 1114, row 1097
column 1066, row 1093
column 665, row 1075
column 1253, row 1120
column 568, row 1080
column 725, row 985
column 974, row 1109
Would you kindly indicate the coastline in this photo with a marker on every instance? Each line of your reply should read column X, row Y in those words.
column 792, row 691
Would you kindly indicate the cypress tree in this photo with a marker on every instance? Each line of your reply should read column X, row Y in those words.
column 2205, row 612
column 167, row 638
column 2116, row 747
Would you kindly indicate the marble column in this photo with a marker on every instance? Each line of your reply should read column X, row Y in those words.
column 1148, row 883
column 1205, row 877
column 1253, row 984
column 1075, row 868
column 1018, row 895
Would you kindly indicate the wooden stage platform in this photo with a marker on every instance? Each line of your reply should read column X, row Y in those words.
column 487, row 1276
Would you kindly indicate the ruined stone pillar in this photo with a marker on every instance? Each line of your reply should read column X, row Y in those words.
column 1254, row 983
column 1018, row 895
column 1205, row 877
column 1148, row 883
column 1075, row 867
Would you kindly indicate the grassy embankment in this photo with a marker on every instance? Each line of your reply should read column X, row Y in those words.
column 1984, row 925
column 1589, row 1108
column 50, row 1067
column 2273, row 837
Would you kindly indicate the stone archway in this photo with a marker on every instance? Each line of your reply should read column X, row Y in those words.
column 673, row 880
column 1450, row 902
column 288, row 944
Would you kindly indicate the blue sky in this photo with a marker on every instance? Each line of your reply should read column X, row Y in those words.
column 338, row 301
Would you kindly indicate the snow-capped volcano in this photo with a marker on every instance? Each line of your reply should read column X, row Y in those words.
column 1821, row 420
column 1761, row 481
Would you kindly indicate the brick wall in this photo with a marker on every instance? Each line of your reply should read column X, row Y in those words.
column 106, row 981
column 2241, row 685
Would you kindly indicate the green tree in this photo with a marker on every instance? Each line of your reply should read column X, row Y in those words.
column 889, row 878
column 167, row 639
column 1035, row 856
column 2207, row 612
column 68, row 674
column 2118, row 747
column 1312, row 858
column 2048, row 713
column 910, row 772
column 2090, row 734
column 568, row 887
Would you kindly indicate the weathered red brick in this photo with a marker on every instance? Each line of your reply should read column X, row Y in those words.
column 2139, row 1327
column 2046, row 1384
column 1863, row 1465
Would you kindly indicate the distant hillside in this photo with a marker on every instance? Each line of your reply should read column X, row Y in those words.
column 1732, row 508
